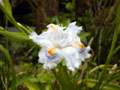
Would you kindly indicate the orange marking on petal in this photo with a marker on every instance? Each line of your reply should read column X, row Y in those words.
column 51, row 50
column 51, row 26
column 80, row 45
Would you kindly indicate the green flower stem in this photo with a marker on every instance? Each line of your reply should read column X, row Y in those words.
column 63, row 78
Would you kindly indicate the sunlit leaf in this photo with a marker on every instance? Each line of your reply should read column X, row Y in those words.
column 31, row 86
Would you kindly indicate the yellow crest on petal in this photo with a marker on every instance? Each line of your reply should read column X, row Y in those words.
column 53, row 27
column 80, row 45
column 51, row 50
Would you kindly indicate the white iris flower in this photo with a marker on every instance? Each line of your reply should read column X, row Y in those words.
column 57, row 44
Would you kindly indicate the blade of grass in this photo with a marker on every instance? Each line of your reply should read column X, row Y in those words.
column 113, row 77
column 116, row 49
column 11, row 66
column 96, row 68
column 116, row 32
column 99, row 47
column 111, row 86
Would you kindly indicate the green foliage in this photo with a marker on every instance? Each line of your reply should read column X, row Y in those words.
column 11, row 66
column 70, row 5
column 31, row 86
column 16, row 36
column 116, row 32
column 7, row 7
column 20, row 70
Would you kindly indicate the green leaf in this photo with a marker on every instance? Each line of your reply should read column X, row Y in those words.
column 116, row 49
column 64, row 79
column 13, row 74
column 84, row 35
column 7, row 7
column 111, row 86
column 16, row 36
column 115, row 75
column 90, row 41
column 24, row 28
column 96, row 68
column 70, row 5
column 8, row 12
column 102, row 76
column 24, row 79
column 31, row 86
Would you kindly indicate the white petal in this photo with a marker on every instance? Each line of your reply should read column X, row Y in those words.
column 53, row 27
column 71, row 58
column 73, row 29
column 41, row 39
column 57, row 37
column 49, row 61
column 65, row 44
column 34, row 37
column 84, row 53
column 71, row 33
column 48, row 26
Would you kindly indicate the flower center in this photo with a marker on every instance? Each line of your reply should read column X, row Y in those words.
column 51, row 50
column 53, row 27
column 80, row 45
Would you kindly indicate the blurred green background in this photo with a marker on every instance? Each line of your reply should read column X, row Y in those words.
column 100, row 20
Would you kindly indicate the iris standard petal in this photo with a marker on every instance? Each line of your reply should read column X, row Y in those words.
column 73, row 29
column 52, row 27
